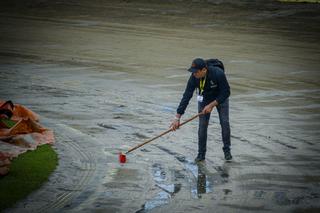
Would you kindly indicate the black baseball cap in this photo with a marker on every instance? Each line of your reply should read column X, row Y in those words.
column 197, row 64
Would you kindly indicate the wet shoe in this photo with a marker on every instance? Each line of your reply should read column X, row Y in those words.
column 199, row 159
column 227, row 155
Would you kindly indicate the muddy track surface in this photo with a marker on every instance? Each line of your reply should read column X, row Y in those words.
column 107, row 75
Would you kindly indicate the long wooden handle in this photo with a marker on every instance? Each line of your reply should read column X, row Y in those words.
column 162, row 134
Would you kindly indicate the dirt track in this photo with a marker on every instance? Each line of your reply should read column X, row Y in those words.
column 107, row 75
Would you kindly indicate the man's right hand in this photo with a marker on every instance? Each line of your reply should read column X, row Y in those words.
column 175, row 124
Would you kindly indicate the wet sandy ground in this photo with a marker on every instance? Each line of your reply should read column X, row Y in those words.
column 108, row 75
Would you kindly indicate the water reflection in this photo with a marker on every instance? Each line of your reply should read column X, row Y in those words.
column 171, row 189
column 167, row 190
column 206, row 180
column 202, row 184
column 162, row 198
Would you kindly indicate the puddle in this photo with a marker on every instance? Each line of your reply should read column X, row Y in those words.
column 201, row 183
column 171, row 188
column 167, row 190
column 160, row 199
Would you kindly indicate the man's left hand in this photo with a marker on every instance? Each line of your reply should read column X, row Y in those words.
column 209, row 107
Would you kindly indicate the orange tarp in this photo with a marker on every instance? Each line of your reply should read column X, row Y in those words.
column 25, row 135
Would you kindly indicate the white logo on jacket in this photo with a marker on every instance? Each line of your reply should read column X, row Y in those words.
column 212, row 84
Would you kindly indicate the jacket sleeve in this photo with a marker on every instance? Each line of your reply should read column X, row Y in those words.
column 187, row 95
column 224, row 88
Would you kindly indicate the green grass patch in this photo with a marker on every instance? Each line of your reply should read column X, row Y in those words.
column 27, row 173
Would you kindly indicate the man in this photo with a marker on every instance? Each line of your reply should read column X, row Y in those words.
column 213, row 90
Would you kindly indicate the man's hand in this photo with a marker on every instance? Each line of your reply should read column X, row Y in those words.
column 209, row 107
column 175, row 123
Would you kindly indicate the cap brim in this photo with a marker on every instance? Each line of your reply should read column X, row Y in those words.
column 192, row 69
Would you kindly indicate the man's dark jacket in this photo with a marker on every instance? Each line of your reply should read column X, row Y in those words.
column 216, row 88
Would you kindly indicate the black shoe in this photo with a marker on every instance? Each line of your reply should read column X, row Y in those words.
column 227, row 155
column 199, row 158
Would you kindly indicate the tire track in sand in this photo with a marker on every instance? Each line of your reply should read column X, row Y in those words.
column 61, row 188
column 88, row 166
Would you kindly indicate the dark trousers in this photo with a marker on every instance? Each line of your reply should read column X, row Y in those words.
column 223, row 111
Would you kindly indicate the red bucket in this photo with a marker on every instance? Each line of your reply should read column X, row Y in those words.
column 122, row 158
